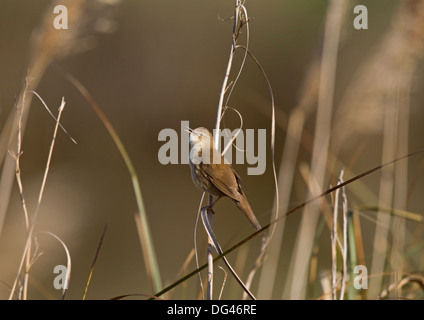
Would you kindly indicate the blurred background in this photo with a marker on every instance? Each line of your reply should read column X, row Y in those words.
column 152, row 64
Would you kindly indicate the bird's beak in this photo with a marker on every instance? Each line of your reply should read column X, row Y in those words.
column 189, row 130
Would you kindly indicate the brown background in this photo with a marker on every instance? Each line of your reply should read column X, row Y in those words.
column 164, row 63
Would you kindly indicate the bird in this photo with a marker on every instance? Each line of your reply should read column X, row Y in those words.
column 212, row 173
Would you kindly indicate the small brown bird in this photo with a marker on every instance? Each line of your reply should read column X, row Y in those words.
column 212, row 173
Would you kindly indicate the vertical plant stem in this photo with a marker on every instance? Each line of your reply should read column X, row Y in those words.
column 216, row 140
column 208, row 228
column 345, row 242
column 195, row 242
column 380, row 243
column 226, row 77
column 334, row 245
column 150, row 259
column 304, row 242
column 209, row 294
column 16, row 156
column 400, row 183
column 286, row 173
column 95, row 259
column 353, row 258
column 40, row 197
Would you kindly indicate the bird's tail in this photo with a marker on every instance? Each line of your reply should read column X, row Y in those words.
column 244, row 206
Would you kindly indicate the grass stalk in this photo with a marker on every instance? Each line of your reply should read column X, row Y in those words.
column 84, row 295
column 345, row 246
column 148, row 250
column 304, row 242
column 68, row 264
column 381, row 240
column 401, row 180
column 286, row 177
column 209, row 291
column 334, row 245
column 35, row 214
column 236, row 22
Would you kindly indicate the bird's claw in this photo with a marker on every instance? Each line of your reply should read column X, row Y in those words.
column 210, row 210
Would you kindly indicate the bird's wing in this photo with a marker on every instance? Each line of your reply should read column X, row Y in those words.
column 240, row 181
column 223, row 178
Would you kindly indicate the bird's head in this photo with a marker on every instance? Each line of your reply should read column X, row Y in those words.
column 200, row 135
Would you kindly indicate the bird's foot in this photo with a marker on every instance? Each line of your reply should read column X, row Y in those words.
column 209, row 209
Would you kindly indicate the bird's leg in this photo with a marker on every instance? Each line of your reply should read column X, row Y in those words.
column 209, row 207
